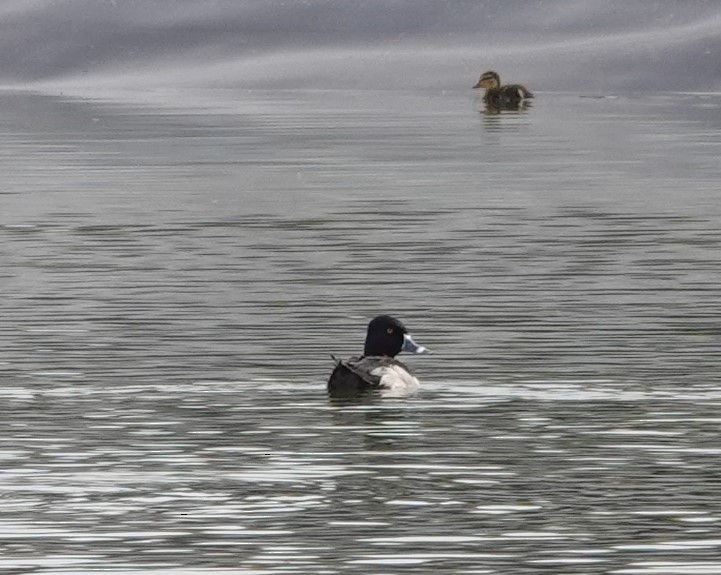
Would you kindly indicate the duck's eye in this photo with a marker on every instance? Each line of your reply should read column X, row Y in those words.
column 389, row 330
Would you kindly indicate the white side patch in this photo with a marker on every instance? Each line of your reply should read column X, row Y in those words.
column 395, row 381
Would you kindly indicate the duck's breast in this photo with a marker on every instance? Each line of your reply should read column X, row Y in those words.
column 395, row 380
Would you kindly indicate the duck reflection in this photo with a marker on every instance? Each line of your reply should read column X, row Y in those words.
column 377, row 425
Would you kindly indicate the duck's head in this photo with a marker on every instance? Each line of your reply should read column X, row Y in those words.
column 388, row 336
column 489, row 81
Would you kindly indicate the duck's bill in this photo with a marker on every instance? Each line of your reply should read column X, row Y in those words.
column 411, row 346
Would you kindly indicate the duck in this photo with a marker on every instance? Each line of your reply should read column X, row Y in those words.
column 377, row 371
column 509, row 96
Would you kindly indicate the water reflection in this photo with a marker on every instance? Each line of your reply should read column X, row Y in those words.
column 177, row 280
column 529, row 474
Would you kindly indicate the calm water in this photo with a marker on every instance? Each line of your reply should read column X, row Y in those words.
column 175, row 279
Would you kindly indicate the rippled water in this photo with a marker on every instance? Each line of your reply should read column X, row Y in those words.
column 175, row 279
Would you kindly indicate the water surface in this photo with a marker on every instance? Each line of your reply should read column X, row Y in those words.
column 176, row 276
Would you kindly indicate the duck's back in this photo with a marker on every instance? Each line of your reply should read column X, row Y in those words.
column 348, row 380
column 508, row 94
column 516, row 92
column 363, row 375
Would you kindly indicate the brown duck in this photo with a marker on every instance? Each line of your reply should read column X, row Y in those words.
column 498, row 96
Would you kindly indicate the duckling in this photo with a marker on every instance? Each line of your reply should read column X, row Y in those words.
column 498, row 96
column 377, row 369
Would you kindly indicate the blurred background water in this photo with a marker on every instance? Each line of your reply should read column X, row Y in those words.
column 90, row 45
column 175, row 278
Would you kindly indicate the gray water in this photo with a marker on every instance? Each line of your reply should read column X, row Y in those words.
column 175, row 277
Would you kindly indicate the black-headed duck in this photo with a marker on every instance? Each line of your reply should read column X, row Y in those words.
column 499, row 96
column 377, row 370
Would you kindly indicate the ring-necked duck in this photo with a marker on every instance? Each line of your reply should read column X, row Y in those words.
column 498, row 96
column 377, row 370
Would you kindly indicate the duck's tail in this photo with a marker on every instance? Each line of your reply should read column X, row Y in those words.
column 524, row 92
